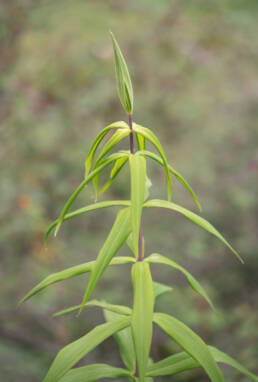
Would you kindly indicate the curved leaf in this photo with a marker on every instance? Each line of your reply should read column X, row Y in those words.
column 159, row 259
column 125, row 342
column 94, row 372
column 97, row 141
column 138, row 177
column 116, row 238
column 83, row 210
column 121, row 309
column 142, row 314
column 191, row 343
column 124, row 84
column 176, row 174
column 196, row 219
column 73, row 352
column 103, row 165
column 150, row 136
column 72, row 272
column 159, row 289
column 117, row 167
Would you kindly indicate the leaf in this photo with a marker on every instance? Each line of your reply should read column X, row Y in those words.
column 138, row 177
column 176, row 174
column 140, row 142
column 121, row 309
column 125, row 342
column 118, row 165
column 182, row 361
column 72, row 272
column 148, row 185
column 97, row 141
column 94, row 372
column 159, row 289
column 116, row 238
column 73, row 352
column 191, row 343
column 142, row 314
column 196, row 219
column 89, row 208
column 101, row 167
column 159, row 259
column 124, row 84
column 151, row 137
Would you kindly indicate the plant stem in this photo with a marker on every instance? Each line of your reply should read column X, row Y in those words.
column 131, row 133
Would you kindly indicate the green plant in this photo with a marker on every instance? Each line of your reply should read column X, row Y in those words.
column 132, row 327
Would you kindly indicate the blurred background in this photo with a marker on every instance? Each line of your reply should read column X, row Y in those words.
column 194, row 66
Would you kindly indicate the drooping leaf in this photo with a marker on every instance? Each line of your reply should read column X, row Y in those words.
column 141, row 142
column 97, row 141
column 142, row 314
column 94, row 372
column 151, row 137
column 125, row 342
column 182, row 361
column 191, row 343
column 116, row 238
column 159, row 289
column 138, row 176
column 196, row 219
column 73, row 352
column 124, row 84
column 72, row 272
column 159, row 259
column 176, row 174
column 89, row 208
column 101, row 167
column 118, row 165
column 121, row 309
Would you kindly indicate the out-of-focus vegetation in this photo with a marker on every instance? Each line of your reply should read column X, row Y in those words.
column 194, row 65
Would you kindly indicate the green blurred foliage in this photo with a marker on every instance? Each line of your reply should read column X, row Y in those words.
column 194, row 69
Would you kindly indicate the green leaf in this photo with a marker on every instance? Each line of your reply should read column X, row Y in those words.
column 94, row 372
column 97, row 141
column 142, row 314
column 159, row 289
column 129, row 242
column 121, row 309
column 175, row 173
column 151, row 137
column 73, row 352
column 117, row 167
column 116, row 238
column 89, row 208
column 101, row 167
column 138, row 177
column 72, row 272
column 159, row 259
column 191, row 343
column 141, row 142
column 124, row 84
column 125, row 342
column 182, row 361
column 196, row 219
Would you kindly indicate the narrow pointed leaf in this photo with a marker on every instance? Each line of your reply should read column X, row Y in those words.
column 142, row 314
column 159, row 259
column 73, row 352
column 95, row 145
column 94, row 372
column 138, row 178
column 121, row 309
column 182, row 361
column 141, row 142
column 124, row 340
column 159, row 289
column 151, row 137
column 101, row 167
column 89, row 208
column 191, row 343
column 176, row 174
column 124, row 84
column 118, row 165
column 196, row 219
column 72, row 272
column 116, row 238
